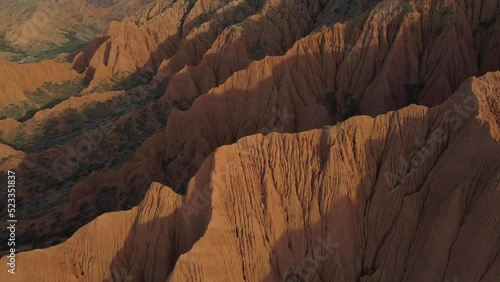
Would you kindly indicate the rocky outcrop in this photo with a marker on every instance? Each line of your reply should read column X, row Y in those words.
column 203, row 38
column 382, row 60
column 218, row 16
column 250, row 67
column 406, row 196
column 134, row 47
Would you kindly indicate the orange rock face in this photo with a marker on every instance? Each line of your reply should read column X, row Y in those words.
column 279, row 141
column 408, row 196
column 381, row 60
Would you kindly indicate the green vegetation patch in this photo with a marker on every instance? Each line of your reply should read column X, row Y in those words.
column 351, row 106
column 45, row 52
column 331, row 99
column 6, row 46
column 45, row 97
column 124, row 81
column 412, row 92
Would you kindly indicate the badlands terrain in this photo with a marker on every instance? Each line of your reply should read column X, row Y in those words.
column 252, row 140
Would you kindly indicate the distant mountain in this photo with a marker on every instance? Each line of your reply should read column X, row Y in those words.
column 33, row 30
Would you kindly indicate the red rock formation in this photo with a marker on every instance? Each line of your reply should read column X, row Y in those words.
column 369, row 59
column 137, row 44
column 379, row 58
column 410, row 195
column 400, row 49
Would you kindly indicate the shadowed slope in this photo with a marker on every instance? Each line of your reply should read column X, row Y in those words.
column 407, row 196
column 66, row 127
column 364, row 60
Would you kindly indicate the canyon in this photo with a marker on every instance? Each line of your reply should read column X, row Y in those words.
column 247, row 140
column 263, row 208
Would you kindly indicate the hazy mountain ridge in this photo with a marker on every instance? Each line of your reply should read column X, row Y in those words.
column 36, row 30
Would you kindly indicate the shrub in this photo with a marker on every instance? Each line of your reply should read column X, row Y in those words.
column 70, row 115
column 21, row 140
column 50, row 94
column 46, row 96
column 6, row 46
column 95, row 111
column 124, row 157
column 488, row 23
column 331, row 99
column 350, row 105
column 12, row 111
column 106, row 199
column 407, row 8
column 257, row 51
column 412, row 92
